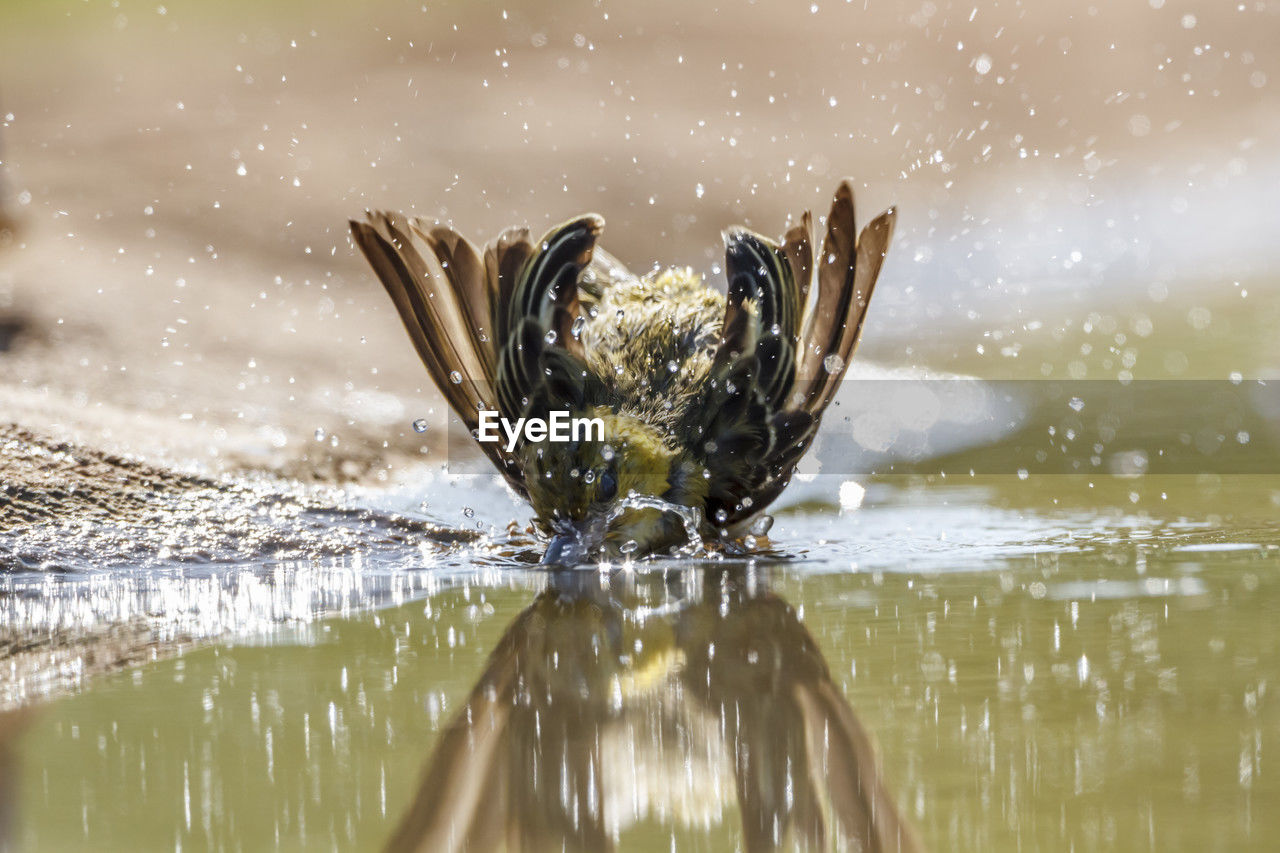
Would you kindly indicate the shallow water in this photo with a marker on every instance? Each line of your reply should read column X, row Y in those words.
column 212, row 651
column 1001, row 678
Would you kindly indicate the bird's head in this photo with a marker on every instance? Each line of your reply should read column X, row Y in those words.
column 588, row 495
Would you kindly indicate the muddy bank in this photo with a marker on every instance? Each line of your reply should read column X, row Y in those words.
column 107, row 561
column 65, row 507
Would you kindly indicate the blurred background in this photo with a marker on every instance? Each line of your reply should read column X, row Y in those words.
column 1085, row 191
column 229, row 555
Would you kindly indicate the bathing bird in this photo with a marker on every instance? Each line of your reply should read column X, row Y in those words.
column 706, row 400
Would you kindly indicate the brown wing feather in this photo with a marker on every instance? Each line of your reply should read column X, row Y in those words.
column 822, row 327
column 798, row 247
column 873, row 245
column 414, row 289
column 846, row 277
column 504, row 262
column 465, row 269
column 436, row 316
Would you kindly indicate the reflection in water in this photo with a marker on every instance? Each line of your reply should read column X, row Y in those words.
column 13, row 724
column 609, row 702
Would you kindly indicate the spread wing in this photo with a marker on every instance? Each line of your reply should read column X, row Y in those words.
column 445, row 293
column 783, row 351
column 493, row 330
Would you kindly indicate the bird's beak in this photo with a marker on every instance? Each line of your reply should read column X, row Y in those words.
column 572, row 545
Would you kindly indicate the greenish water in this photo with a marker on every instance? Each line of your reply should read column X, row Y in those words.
column 1003, row 679
column 1019, row 660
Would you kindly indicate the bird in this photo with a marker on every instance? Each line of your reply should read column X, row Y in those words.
column 707, row 400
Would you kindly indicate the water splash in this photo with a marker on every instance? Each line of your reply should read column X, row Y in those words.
column 690, row 517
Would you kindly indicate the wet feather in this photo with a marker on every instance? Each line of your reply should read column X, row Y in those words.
column 711, row 399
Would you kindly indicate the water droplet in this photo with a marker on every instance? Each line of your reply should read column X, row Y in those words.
column 691, row 517
column 851, row 495
column 721, row 516
column 762, row 525
column 1076, row 404
column 578, row 325
column 455, row 377
column 551, row 336
column 320, row 434
column 833, row 363
column 241, row 170
column 672, row 367
column 607, row 453
column 699, row 190
column 630, row 546
column 468, row 512
column 589, row 477
column 620, row 315
column 420, row 425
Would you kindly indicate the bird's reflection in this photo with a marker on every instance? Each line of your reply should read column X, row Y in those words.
column 692, row 701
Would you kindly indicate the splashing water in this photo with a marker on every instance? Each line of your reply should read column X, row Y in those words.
column 690, row 517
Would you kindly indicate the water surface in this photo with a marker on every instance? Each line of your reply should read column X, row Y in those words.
column 929, row 668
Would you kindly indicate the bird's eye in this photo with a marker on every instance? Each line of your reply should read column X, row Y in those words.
column 608, row 488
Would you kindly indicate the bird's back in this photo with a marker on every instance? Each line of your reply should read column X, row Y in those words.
column 651, row 342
